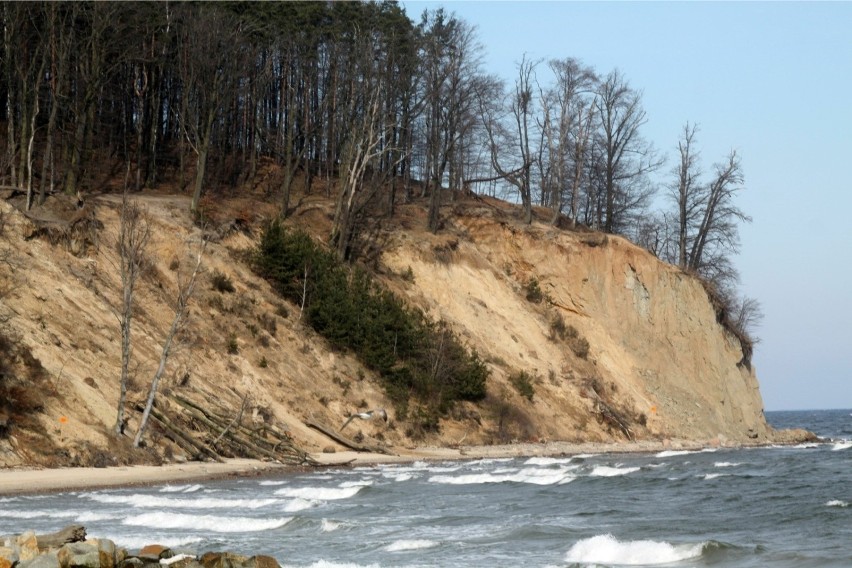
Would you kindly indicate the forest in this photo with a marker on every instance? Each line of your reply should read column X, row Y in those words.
column 359, row 100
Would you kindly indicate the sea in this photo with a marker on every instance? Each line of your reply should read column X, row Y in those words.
column 758, row 507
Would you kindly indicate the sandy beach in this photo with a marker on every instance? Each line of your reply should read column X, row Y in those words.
column 20, row 480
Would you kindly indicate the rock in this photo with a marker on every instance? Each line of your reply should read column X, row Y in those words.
column 79, row 555
column 131, row 562
column 28, row 544
column 48, row 560
column 155, row 552
column 329, row 450
column 106, row 553
column 261, row 561
column 9, row 556
column 222, row 560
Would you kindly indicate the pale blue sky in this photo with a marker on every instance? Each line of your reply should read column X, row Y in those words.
column 772, row 80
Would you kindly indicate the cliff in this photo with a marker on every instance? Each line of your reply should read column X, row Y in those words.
column 587, row 337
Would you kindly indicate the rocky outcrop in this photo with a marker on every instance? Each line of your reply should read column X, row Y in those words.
column 29, row 550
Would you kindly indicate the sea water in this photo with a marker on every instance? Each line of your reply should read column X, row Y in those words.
column 773, row 506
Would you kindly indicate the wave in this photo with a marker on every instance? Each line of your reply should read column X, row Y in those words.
column 606, row 549
column 204, row 522
column 672, row 453
column 842, row 445
column 399, row 477
column 837, row 503
column 607, row 471
column 320, row 493
column 531, row 475
column 402, row 545
column 95, row 517
column 37, row 514
column 359, row 483
column 271, row 482
column 181, row 488
column 715, row 475
column 726, row 464
column 546, row 461
column 143, row 501
column 298, row 504
column 329, row 526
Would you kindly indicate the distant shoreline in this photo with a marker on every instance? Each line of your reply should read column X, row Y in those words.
column 29, row 480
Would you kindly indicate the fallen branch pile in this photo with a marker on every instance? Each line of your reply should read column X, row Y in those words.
column 208, row 434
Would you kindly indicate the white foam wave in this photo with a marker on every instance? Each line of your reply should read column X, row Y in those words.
column 181, row 488
column 843, row 445
column 320, row 493
column 359, row 483
column 538, row 460
column 726, row 464
column 204, row 522
column 443, row 469
column 837, row 503
column 399, row 477
column 530, row 475
column 329, row 526
column 37, row 514
column 298, row 504
column 671, row 453
column 402, row 545
column 270, row 482
column 805, row 446
column 90, row 517
column 606, row 471
column 144, row 501
column 606, row 549
column 585, row 456
column 715, row 475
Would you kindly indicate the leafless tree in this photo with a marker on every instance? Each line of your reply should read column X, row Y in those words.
column 687, row 192
column 625, row 158
column 184, row 294
column 510, row 134
column 134, row 234
column 568, row 111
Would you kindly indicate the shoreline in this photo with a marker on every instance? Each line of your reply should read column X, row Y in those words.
column 19, row 481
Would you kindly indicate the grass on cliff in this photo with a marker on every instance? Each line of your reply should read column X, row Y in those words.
column 413, row 356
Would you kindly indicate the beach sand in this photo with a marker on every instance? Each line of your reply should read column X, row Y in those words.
column 14, row 481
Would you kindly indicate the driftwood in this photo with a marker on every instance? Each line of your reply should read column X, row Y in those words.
column 194, row 447
column 352, row 445
column 278, row 446
column 71, row 533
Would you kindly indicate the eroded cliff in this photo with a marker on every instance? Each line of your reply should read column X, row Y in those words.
column 611, row 344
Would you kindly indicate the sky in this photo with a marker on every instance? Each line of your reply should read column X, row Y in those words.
column 772, row 80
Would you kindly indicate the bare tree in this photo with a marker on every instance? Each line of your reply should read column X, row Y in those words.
column 512, row 133
column 625, row 157
column 568, row 108
column 687, row 192
column 718, row 232
column 134, row 234
column 184, row 294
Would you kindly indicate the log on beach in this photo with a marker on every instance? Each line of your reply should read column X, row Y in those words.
column 71, row 533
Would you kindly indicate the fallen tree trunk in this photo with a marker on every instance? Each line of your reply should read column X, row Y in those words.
column 71, row 533
column 352, row 445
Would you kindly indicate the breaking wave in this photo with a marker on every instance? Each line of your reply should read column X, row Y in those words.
column 143, row 501
column 533, row 476
column 606, row 549
column 837, row 503
column 607, row 471
column 401, row 545
column 204, row 522
column 320, row 493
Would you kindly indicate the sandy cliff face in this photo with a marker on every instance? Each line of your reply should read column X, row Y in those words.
column 655, row 347
column 658, row 365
